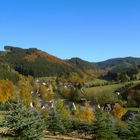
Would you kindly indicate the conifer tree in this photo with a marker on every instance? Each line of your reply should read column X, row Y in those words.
column 104, row 127
column 54, row 123
column 132, row 131
column 24, row 123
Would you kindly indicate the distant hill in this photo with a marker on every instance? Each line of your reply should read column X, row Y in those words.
column 88, row 68
column 82, row 64
column 121, row 69
column 127, row 62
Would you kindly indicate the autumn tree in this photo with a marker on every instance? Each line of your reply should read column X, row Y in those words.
column 43, row 92
column 46, row 92
column 74, row 77
column 6, row 90
column 85, row 114
column 63, row 111
column 71, row 94
column 118, row 111
column 89, row 115
column 25, row 89
column 77, row 79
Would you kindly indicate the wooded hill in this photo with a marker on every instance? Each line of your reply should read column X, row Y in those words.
column 38, row 63
column 117, row 69
column 127, row 62
column 7, row 73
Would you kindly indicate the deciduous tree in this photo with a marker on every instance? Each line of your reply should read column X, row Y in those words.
column 118, row 111
column 86, row 114
column 6, row 90
column 25, row 89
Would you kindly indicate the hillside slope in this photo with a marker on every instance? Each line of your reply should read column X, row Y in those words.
column 82, row 64
column 127, row 62
column 6, row 73
column 121, row 69
column 38, row 63
column 34, row 62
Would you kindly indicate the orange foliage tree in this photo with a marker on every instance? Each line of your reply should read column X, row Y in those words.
column 6, row 90
column 118, row 111
column 31, row 57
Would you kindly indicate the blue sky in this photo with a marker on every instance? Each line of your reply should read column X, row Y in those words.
column 94, row 30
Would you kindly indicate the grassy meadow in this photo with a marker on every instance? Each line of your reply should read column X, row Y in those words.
column 108, row 90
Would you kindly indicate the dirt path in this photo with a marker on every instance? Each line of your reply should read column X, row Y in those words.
column 60, row 138
column 74, row 136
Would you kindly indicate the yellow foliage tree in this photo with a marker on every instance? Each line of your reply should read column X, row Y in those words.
column 46, row 92
column 118, row 111
column 25, row 89
column 86, row 114
column 6, row 90
column 62, row 110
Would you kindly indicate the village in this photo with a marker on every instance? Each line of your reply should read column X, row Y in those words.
column 49, row 104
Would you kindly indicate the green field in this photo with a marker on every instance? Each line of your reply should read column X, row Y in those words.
column 46, row 79
column 108, row 89
column 133, row 109
column 105, row 92
column 96, row 82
